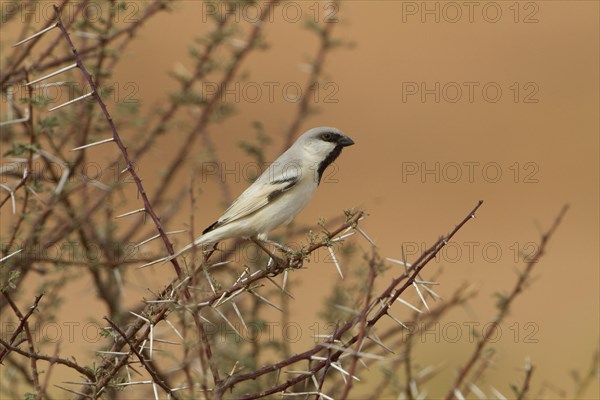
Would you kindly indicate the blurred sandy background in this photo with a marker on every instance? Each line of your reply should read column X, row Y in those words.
column 541, row 136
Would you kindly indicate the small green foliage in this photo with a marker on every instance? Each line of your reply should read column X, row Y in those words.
column 106, row 333
column 312, row 25
column 222, row 111
column 187, row 98
column 36, row 100
column 312, row 237
column 116, row 383
column 501, row 299
column 49, row 123
column 338, row 297
column 13, row 277
column 515, row 389
column 16, row 150
column 256, row 150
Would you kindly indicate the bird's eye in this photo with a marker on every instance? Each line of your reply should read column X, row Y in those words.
column 327, row 136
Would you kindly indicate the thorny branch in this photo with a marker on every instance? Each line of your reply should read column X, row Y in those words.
column 117, row 139
column 506, row 304
column 347, row 342
column 386, row 299
column 141, row 358
column 23, row 320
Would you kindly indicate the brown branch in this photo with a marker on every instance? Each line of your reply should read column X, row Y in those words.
column 117, row 139
column 51, row 359
column 35, row 375
column 207, row 112
column 23, row 319
column 108, row 375
column 18, row 58
column 157, row 5
column 522, row 392
column 129, row 165
column 208, row 301
column 362, row 332
column 386, row 298
column 506, row 303
column 325, row 368
column 458, row 298
column 27, row 175
column 140, row 357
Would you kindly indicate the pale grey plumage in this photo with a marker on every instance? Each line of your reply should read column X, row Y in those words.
column 281, row 191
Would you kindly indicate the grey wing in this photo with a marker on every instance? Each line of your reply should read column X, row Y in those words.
column 257, row 196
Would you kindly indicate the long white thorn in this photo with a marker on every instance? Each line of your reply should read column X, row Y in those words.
column 280, row 288
column 10, row 255
column 395, row 261
column 497, row 393
column 339, row 239
column 337, row 264
column 478, row 392
column 160, row 260
column 406, row 303
column 36, row 35
column 337, row 366
column 285, row 280
column 174, row 329
column 85, row 146
column 209, row 279
column 228, row 322
column 12, row 198
column 431, row 292
column 151, row 339
column 139, row 210
column 421, row 295
column 365, row 235
column 157, row 236
column 132, row 383
column 155, row 391
column 60, row 71
column 378, row 341
column 265, row 300
column 75, row 100
column 140, row 317
column 295, row 394
column 458, row 394
column 239, row 314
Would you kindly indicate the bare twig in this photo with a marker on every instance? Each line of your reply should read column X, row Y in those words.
column 362, row 331
column 140, row 357
column 506, row 303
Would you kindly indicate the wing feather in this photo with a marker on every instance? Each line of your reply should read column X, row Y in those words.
column 257, row 196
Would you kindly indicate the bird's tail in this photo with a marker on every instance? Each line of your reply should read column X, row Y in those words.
column 198, row 242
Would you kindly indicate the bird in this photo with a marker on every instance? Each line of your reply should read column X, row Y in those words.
column 280, row 192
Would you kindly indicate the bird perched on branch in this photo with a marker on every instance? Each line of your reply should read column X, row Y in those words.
column 280, row 192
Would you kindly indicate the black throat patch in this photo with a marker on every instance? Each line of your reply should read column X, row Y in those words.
column 328, row 160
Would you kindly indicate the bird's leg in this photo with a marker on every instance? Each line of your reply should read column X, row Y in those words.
column 295, row 258
column 281, row 247
column 280, row 264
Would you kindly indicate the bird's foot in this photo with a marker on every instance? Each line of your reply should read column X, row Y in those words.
column 276, row 265
column 283, row 248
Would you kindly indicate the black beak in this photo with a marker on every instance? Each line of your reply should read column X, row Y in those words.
column 346, row 141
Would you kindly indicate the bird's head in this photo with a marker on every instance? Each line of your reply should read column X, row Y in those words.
column 324, row 141
column 322, row 146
